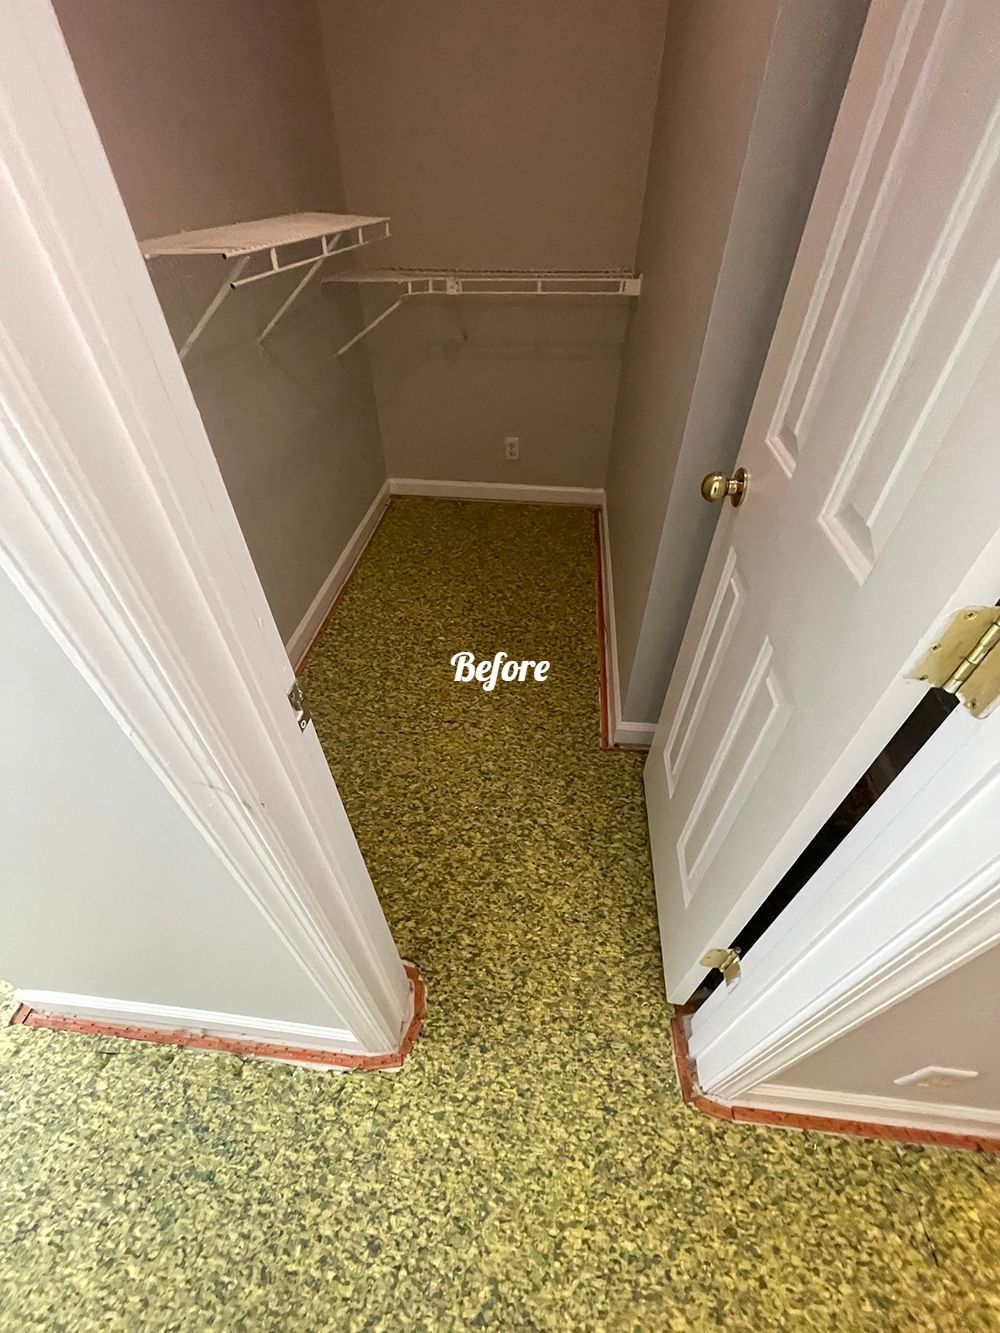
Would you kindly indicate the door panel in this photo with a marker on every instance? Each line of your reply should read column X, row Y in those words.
column 867, row 504
column 751, row 734
column 713, row 645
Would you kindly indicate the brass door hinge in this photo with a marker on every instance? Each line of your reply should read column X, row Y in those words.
column 964, row 662
column 726, row 961
column 299, row 706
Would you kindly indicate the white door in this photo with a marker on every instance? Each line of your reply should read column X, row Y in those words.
column 872, row 450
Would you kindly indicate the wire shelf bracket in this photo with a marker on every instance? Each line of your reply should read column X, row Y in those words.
column 487, row 282
column 281, row 241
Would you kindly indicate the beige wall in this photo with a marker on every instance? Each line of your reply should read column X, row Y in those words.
column 497, row 135
column 215, row 111
column 90, row 837
column 748, row 97
column 952, row 1023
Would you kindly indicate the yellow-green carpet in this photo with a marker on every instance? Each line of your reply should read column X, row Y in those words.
column 532, row 1167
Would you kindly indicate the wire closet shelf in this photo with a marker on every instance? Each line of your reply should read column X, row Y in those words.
column 485, row 283
column 291, row 241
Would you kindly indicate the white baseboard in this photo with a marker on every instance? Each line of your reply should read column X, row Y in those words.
column 944, row 1117
column 620, row 732
column 588, row 497
column 195, row 1022
column 309, row 626
column 639, row 734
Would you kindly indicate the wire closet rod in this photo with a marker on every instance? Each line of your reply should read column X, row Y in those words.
column 601, row 283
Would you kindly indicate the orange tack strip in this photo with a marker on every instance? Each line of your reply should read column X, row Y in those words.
column 26, row 1017
column 752, row 1115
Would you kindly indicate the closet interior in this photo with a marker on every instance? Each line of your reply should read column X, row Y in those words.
column 528, row 251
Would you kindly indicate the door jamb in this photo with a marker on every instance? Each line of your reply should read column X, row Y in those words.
column 119, row 532
column 912, row 893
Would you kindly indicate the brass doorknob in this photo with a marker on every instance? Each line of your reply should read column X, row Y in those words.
column 716, row 486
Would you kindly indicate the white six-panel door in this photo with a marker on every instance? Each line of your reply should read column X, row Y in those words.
column 873, row 451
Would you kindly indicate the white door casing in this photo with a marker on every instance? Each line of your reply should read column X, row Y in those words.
column 118, row 529
column 869, row 454
column 912, row 893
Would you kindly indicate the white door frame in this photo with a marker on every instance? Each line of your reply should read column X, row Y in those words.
column 910, row 894
column 117, row 528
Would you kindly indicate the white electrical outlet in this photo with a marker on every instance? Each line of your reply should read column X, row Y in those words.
column 512, row 448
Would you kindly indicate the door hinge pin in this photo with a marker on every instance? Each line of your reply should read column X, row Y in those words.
column 726, row 961
column 975, row 657
column 299, row 706
column 963, row 661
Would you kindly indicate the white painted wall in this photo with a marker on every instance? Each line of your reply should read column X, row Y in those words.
column 214, row 111
column 497, row 135
column 748, row 97
column 106, row 887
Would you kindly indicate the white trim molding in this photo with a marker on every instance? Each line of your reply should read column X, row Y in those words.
column 637, row 735
column 120, row 534
column 911, row 893
column 585, row 496
column 193, row 1022
column 868, row 1108
column 312, row 622
column 620, row 732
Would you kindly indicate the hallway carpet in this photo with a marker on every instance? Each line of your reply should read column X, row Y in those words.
column 532, row 1167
